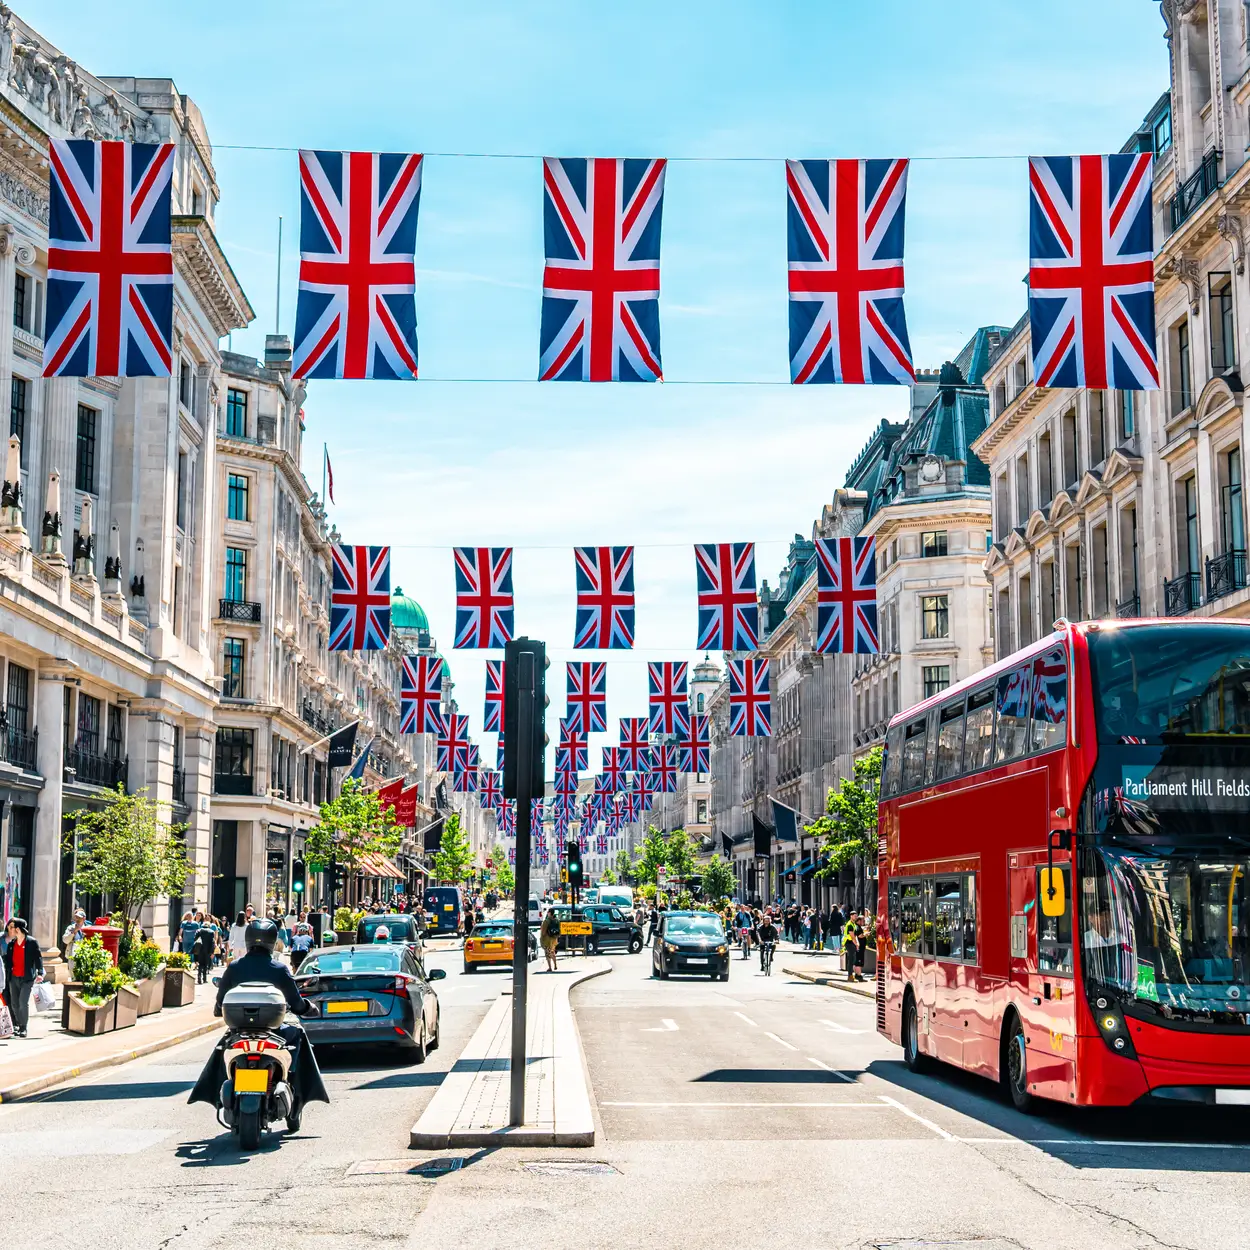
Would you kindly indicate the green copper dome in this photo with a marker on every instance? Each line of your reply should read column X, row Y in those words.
column 407, row 613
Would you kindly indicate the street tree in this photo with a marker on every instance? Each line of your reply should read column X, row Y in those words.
column 719, row 880
column 453, row 859
column 651, row 855
column 849, row 827
column 624, row 867
column 679, row 855
column 128, row 851
column 505, row 878
column 607, row 877
column 352, row 826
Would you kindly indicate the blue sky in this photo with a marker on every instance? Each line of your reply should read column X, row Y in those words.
column 729, row 452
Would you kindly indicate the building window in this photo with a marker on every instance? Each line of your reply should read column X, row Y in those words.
column 180, row 495
column 232, row 668
column 1182, row 382
column 234, row 761
column 19, row 406
column 236, row 574
column 186, row 384
column 1190, row 551
column 1074, row 591
column 88, row 723
column 236, row 413
column 236, row 500
column 21, row 300
column 989, row 539
column 17, row 699
column 88, row 429
column 1126, row 416
column 933, row 543
column 1223, row 340
column 1232, row 515
column 1163, row 133
column 936, row 616
column 936, row 678
column 113, row 741
column 700, row 811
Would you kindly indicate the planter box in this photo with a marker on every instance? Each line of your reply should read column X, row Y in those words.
column 74, row 987
column 127, row 1006
column 179, row 987
column 87, row 1020
column 344, row 937
column 151, row 992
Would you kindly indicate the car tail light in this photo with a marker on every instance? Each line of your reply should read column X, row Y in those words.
column 400, row 989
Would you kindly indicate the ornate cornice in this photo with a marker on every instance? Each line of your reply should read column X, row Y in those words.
column 203, row 264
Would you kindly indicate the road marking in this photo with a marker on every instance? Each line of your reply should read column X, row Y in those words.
column 780, row 1040
column 821, row 1064
column 858, row 1106
column 666, row 1026
column 747, row 1019
column 1088, row 1141
column 841, row 1028
column 907, row 1111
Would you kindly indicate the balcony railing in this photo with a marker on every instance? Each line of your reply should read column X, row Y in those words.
column 180, row 786
column 20, row 750
column 1195, row 189
column 1182, row 594
column 316, row 720
column 1128, row 607
column 1226, row 574
column 89, row 768
column 238, row 610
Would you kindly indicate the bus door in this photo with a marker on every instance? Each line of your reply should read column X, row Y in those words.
column 1052, row 1000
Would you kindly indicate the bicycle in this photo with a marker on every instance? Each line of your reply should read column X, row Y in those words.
column 769, row 948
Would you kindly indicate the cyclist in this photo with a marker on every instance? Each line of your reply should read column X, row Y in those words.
column 767, row 935
column 742, row 923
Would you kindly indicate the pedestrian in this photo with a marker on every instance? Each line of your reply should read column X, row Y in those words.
column 837, row 921
column 653, row 920
column 301, row 941
column 238, row 935
column 72, row 936
column 186, row 933
column 850, row 947
column 549, row 937
column 23, row 968
column 203, row 949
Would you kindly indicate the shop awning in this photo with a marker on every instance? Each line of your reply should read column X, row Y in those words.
column 809, row 866
column 373, row 865
column 802, row 869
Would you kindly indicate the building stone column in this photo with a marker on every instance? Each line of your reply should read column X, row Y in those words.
column 50, row 722
column 150, row 752
column 198, row 743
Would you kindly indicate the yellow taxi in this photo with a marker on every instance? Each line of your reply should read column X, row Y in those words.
column 491, row 944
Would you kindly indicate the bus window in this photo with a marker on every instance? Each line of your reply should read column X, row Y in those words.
column 892, row 912
column 948, row 918
column 1011, row 718
column 911, row 907
column 950, row 748
column 1054, row 933
column 913, row 755
column 970, row 918
column 979, row 738
column 893, row 759
column 1050, row 700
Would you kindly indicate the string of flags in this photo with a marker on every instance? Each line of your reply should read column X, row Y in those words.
column 110, row 269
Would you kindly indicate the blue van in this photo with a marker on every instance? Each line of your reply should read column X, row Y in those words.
column 442, row 910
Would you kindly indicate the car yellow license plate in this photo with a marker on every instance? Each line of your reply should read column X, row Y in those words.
column 449, row 907
column 346, row 1007
column 492, row 946
column 251, row 1080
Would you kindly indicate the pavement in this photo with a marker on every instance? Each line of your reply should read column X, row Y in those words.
column 473, row 1104
column 821, row 968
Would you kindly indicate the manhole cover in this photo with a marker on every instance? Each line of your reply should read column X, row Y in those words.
column 570, row 1167
column 430, row 1169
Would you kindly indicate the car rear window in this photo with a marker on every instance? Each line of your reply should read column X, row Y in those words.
column 492, row 930
column 399, row 930
column 331, row 963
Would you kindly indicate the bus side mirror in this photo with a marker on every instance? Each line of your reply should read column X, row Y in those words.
column 1051, row 892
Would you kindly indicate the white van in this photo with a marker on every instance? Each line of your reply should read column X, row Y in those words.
column 616, row 896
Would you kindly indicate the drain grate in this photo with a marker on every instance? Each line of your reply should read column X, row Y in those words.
column 429, row 1169
column 570, row 1167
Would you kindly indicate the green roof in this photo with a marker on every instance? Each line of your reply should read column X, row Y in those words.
column 407, row 613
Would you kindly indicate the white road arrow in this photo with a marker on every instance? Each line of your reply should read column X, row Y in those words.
column 666, row 1026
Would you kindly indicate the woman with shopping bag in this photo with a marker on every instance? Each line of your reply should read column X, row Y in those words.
column 23, row 968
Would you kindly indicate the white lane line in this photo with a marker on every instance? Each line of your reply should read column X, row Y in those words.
column 747, row 1019
column 666, row 1026
column 830, row 1106
column 907, row 1111
column 842, row 1076
column 781, row 1041
column 840, row 1028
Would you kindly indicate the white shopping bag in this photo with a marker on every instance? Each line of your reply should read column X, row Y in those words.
column 42, row 996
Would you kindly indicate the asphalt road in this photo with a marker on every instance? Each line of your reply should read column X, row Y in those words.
column 745, row 1113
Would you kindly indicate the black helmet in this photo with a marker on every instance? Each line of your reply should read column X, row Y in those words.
column 261, row 932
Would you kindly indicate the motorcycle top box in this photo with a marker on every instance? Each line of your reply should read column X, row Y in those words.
column 256, row 1006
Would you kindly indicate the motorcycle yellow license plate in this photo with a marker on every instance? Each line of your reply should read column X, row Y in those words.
column 346, row 1008
column 251, row 1080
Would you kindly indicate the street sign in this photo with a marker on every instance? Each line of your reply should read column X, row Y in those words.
column 661, row 876
column 574, row 928
column 489, row 862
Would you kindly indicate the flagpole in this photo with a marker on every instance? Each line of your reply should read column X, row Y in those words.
column 325, row 460
column 277, row 316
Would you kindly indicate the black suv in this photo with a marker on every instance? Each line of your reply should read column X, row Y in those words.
column 612, row 927
column 690, row 942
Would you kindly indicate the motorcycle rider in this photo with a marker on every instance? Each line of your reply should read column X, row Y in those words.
column 259, row 967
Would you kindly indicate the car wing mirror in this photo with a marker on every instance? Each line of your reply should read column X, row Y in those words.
column 436, row 974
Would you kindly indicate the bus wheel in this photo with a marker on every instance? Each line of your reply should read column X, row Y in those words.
column 1015, row 1066
column 915, row 1061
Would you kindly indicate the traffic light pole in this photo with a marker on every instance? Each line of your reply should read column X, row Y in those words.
column 520, row 902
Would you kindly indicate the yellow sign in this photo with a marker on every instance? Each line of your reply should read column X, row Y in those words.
column 575, row 927
column 1050, row 888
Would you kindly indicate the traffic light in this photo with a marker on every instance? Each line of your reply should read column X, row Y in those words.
column 573, row 854
column 299, row 876
column 525, row 667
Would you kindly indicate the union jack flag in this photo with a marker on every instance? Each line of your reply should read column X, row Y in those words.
column 360, row 598
column 750, row 704
column 566, row 786
column 489, row 788
column 587, row 700
column 512, row 856
column 574, row 741
column 420, row 692
column 614, row 768
column 605, row 598
column 605, row 788
column 537, row 815
column 666, row 683
column 635, row 743
column 631, row 807
column 499, row 747
column 484, row 610
column 695, row 748
column 846, row 595
column 601, row 844
column 110, row 310
column 643, row 789
column 464, row 776
column 453, row 742
column 1091, row 271
column 601, row 284
column 505, row 819
column 494, row 697
column 356, row 316
column 662, row 779
column 728, row 612
column 846, row 271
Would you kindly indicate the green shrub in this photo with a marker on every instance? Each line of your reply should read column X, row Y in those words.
column 177, row 959
column 143, row 960
column 90, row 958
column 344, row 919
column 104, row 984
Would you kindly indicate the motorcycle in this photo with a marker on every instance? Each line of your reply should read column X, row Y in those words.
column 256, row 1090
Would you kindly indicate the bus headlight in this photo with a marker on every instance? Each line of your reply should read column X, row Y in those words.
column 1111, row 1025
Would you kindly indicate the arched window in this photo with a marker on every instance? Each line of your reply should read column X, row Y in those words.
column 699, row 703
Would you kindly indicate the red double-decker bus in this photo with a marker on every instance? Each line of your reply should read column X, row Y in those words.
column 1064, row 850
